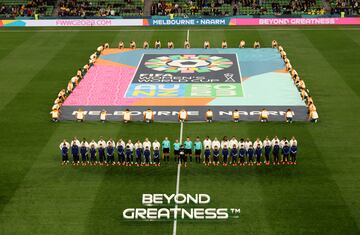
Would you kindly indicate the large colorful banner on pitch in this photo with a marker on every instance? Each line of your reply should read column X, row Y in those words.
column 167, row 80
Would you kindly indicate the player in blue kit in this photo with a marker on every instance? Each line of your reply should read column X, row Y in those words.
column 64, row 147
column 258, row 154
column 250, row 155
column 128, row 154
column 267, row 150
column 75, row 152
column 242, row 154
column 84, row 152
column 225, row 154
column 120, row 151
column 216, row 154
column 156, row 156
column 234, row 154
column 176, row 150
column 147, row 154
column 101, row 151
column 166, row 149
column 207, row 154
column 138, row 153
column 197, row 149
column 293, row 151
column 188, row 148
column 286, row 153
column 110, row 151
column 276, row 152
column 92, row 151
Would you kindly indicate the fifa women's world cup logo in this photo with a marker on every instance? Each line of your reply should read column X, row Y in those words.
column 188, row 63
column 186, row 76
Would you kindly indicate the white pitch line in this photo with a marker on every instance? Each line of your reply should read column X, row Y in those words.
column 181, row 131
column 179, row 164
column 178, row 178
column 242, row 87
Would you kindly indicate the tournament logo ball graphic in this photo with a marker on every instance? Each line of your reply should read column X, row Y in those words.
column 188, row 63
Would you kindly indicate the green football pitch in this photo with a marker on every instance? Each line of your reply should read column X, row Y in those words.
column 38, row 196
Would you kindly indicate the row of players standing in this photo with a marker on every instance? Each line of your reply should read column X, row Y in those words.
column 234, row 152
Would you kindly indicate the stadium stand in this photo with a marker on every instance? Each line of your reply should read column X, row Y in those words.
column 243, row 7
column 136, row 8
column 349, row 7
column 101, row 8
column 15, row 8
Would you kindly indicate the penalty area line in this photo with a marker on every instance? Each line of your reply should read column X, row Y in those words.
column 178, row 178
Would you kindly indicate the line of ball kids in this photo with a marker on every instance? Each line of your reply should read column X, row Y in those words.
column 74, row 81
column 149, row 115
column 171, row 45
column 209, row 152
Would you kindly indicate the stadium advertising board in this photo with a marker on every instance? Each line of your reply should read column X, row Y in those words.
column 71, row 22
column 294, row 21
column 188, row 21
column 224, row 21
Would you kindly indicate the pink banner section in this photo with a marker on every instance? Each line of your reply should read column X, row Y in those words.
column 295, row 21
column 102, row 85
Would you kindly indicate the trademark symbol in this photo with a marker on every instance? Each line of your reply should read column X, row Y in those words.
column 235, row 211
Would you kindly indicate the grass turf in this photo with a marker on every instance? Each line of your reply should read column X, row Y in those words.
column 37, row 195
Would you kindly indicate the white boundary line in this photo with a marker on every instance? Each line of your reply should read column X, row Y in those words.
column 179, row 164
column 178, row 178
column 127, row 89
column 239, row 68
column 29, row 30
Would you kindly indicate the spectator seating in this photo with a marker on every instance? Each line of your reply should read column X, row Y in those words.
column 243, row 7
column 101, row 8
column 14, row 8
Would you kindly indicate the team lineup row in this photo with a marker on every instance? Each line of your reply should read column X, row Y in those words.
column 234, row 152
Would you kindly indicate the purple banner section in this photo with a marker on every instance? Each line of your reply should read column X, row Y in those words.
column 294, row 21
